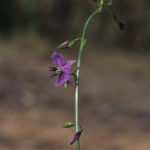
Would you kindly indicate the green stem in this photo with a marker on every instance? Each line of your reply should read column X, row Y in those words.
column 83, row 40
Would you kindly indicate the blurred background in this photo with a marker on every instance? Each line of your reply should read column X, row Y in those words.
column 115, row 76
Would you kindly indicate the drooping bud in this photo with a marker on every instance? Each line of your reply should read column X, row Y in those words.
column 68, row 43
column 76, row 137
column 115, row 17
column 64, row 44
column 73, row 42
column 68, row 125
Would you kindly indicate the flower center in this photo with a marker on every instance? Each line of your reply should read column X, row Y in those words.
column 58, row 71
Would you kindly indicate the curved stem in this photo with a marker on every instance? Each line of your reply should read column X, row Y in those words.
column 83, row 40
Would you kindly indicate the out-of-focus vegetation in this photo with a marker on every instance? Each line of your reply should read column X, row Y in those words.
column 59, row 20
column 114, row 100
column 115, row 83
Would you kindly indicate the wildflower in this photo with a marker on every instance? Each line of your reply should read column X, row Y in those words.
column 62, row 69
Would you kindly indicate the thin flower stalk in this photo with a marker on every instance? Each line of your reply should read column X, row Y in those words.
column 82, row 44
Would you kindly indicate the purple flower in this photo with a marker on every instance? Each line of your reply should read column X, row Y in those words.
column 62, row 69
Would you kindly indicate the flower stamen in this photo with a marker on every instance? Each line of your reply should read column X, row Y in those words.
column 58, row 71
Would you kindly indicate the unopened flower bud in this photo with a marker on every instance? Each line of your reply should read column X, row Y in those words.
column 76, row 137
column 68, row 43
column 68, row 125
column 64, row 44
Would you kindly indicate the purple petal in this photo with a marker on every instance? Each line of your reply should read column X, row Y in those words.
column 62, row 78
column 66, row 71
column 58, row 59
column 67, row 66
column 70, row 62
